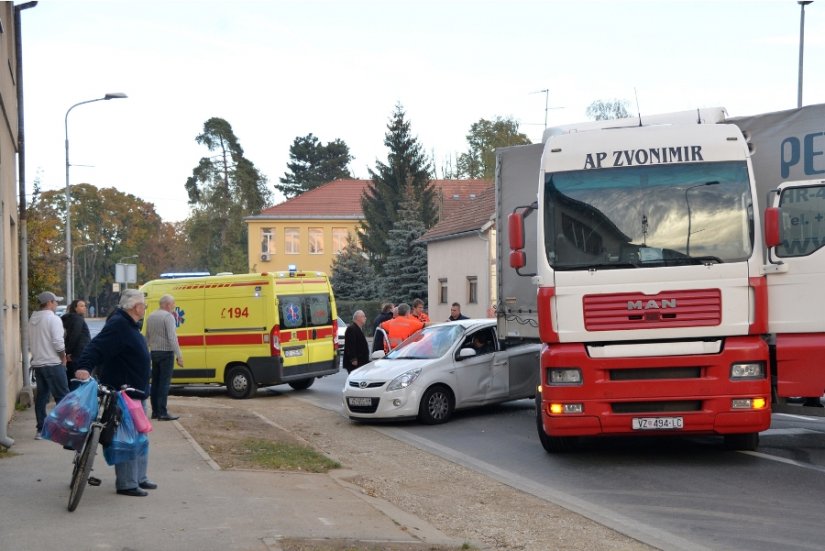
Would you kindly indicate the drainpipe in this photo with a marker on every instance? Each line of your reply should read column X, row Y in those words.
column 5, row 440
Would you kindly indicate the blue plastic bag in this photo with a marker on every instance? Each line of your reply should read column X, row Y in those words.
column 69, row 421
column 127, row 443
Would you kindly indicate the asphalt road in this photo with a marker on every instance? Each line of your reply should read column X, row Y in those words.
column 673, row 493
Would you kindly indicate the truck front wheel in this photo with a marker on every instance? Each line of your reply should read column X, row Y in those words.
column 745, row 442
column 552, row 444
column 239, row 382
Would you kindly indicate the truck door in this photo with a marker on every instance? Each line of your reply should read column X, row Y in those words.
column 795, row 300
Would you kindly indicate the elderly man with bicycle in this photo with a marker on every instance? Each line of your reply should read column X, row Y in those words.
column 121, row 353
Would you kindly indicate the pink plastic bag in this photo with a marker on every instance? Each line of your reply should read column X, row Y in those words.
column 142, row 423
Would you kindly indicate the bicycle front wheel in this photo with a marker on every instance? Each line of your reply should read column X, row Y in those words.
column 83, row 467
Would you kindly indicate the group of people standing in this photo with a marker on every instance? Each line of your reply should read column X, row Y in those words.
column 62, row 351
column 392, row 326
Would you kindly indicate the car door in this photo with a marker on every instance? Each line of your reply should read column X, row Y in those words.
column 474, row 374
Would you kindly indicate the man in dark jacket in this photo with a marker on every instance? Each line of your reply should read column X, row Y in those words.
column 122, row 353
column 77, row 336
column 378, row 338
column 455, row 313
column 356, row 348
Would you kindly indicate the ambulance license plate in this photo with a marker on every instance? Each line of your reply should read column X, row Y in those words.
column 359, row 401
column 658, row 423
column 294, row 353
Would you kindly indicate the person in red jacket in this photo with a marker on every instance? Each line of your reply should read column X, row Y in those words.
column 400, row 327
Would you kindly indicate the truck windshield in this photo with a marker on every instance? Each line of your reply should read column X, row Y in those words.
column 648, row 216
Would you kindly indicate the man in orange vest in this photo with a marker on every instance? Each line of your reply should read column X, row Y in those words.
column 400, row 327
column 418, row 312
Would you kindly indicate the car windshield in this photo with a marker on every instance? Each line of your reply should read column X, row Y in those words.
column 427, row 344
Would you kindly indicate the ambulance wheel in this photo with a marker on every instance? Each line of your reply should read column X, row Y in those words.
column 239, row 382
column 745, row 442
column 302, row 384
column 552, row 444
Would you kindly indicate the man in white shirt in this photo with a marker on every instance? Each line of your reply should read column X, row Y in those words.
column 162, row 338
column 48, row 355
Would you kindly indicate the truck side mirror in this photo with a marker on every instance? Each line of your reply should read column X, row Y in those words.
column 517, row 259
column 515, row 227
column 772, row 218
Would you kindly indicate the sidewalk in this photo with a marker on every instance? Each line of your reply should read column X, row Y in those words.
column 196, row 507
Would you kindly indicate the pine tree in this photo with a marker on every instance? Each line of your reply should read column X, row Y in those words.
column 405, row 274
column 312, row 164
column 352, row 276
column 406, row 166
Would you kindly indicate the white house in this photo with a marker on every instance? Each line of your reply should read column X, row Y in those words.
column 461, row 257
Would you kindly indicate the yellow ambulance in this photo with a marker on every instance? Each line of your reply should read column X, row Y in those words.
column 246, row 331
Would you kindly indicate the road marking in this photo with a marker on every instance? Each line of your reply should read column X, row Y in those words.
column 785, row 460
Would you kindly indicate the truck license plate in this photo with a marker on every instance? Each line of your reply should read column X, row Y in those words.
column 658, row 423
column 359, row 401
column 294, row 353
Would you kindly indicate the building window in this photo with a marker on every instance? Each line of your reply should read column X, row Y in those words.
column 267, row 243
column 442, row 291
column 472, row 290
column 340, row 238
column 316, row 240
column 292, row 240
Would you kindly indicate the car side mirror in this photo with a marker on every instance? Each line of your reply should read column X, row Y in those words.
column 466, row 353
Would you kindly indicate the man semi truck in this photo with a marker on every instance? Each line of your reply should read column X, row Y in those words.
column 633, row 250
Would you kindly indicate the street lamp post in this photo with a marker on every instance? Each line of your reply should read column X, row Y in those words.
column 69, row 283
column 73, row 257
column 802, row 4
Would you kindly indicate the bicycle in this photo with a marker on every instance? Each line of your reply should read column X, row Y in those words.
column 100, row 432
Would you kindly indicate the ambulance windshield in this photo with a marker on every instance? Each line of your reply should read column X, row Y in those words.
column 648, row 216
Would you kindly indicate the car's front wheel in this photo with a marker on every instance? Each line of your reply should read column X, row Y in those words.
column 436, row 405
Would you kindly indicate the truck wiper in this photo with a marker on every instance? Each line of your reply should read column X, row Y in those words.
column 619, row 266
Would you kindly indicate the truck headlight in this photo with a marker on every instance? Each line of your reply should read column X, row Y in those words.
column 564, row 376
column 405, row 379
column 748, row 370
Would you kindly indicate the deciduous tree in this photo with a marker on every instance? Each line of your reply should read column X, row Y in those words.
column 312, row 163
column 602, row 110
column 484, row 137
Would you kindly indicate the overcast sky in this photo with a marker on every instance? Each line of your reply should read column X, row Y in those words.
column 276, row 70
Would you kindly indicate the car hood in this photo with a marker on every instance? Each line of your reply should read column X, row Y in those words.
column 387, row 370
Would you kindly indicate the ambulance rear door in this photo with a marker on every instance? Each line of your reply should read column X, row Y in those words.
column 306, row 326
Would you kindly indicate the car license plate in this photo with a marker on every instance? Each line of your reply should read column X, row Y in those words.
column 359, row 401
column 294, row 353
column 658, row 423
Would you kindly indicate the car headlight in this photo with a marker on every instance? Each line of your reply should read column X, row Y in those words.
column 405, row 379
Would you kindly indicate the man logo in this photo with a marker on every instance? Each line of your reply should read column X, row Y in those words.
column 651, row 304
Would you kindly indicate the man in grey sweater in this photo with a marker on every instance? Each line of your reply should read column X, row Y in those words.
column 163, row 344
column 48, row 355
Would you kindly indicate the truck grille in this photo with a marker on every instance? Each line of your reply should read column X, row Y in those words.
column 669, row 406
column 659, row 373
column 623, row 311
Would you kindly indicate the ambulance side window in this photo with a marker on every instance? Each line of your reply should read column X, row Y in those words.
column 292, row 311
column 318, row 310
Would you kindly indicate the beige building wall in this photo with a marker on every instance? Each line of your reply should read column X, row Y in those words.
column 309, row 244
column 457, row 264
column 9, row 244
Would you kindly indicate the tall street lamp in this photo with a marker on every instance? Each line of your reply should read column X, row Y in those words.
column 802, row 4
column 69, row 282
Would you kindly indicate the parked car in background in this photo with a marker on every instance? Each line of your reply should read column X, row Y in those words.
column 342, row 328
column 440, row 369
column 61, row 309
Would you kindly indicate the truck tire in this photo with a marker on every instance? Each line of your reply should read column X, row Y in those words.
column 302, row 384
column 552, row 444
column 748, row 441
column 239, row 382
